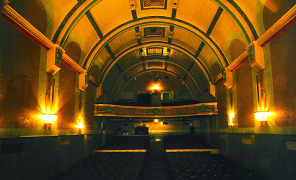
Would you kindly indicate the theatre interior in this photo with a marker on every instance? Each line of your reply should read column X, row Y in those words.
column 147, row 89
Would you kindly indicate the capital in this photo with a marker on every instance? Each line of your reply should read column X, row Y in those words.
column 4, row 2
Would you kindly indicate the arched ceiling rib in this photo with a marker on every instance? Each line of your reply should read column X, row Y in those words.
column 168, row 61
column 154, row 44
column 204, row 49
column 150, row 21
column 151, row 70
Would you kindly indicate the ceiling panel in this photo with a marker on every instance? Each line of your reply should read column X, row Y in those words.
column 180, row 57
column 60, row 10
column 224, row 31
column 128, row 59
column 131, row 72
column 110, row 14
column 123, row 41
column 111, row 78
column 186, row 39
column 197, row 13
column 102, row 59
column 84, row 34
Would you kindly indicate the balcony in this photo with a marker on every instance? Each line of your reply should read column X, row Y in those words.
column 109, row 110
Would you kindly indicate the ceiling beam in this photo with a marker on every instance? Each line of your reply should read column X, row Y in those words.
column 275, row 30
column 11, row 16
column 93, row 53
column 163, row 44
column 210, row 29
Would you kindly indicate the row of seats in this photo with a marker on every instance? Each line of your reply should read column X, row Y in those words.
column 173, row 165
column 127, row 142
column 105, row 166
column 185, row 142
column 204, row 165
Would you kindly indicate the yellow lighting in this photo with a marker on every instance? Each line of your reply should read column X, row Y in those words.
column 231, row 123
column 262, row 115
column 80, row 124
column 48, row 118
column 155, row 120
column 156, row 87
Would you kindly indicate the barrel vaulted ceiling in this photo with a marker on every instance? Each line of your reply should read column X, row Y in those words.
column 186, row 40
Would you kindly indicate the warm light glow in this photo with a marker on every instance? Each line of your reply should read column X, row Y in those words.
column 80, row 124
column 152, row 131
column 156, row 87
column 271, row 5
column 231, row 116
column 155, row 120
column 262, row 115
column 48, row 118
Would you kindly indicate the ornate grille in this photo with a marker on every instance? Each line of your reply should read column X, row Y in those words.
column 148, row 4
column 154, row 32
column 153, row 64
column 154, row 51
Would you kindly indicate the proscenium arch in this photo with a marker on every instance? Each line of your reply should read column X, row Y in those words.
column 160, row 70
column 139, row 62
column 154, row 44
column 93, row 53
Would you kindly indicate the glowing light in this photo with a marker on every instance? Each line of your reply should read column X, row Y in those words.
column 262, row 115
column 48, row 118
column 155, row 120
column 231, row 116
column 80, row 124
column 156, row 87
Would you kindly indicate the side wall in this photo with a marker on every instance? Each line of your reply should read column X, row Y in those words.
column 274, row 155
column 44, row 156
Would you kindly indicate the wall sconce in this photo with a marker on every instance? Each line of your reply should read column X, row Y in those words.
column 262, row 116
column 48, row 118
column 155, row 120
column 231, row 124
column 80, row 124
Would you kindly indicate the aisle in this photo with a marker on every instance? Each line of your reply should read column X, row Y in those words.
column 155, row 166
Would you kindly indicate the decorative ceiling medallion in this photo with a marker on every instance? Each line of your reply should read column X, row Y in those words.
column 154, row 32
column 154, row 64
column 154, row 51
column 153, row 4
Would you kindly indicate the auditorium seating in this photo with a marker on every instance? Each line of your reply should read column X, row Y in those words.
column 185, row 142
column 204, row 165
column 127, row 142
column 156, row 163
column 103, row 166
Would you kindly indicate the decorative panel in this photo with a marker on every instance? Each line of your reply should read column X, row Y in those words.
column 153, row 4
column 154, row 32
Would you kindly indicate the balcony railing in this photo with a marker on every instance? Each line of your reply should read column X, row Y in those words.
column 109, row 110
